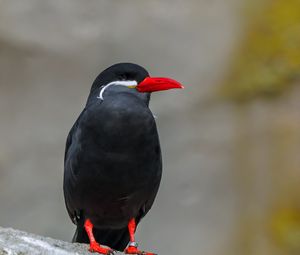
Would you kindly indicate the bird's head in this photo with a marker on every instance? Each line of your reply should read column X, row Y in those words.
column 131, row 76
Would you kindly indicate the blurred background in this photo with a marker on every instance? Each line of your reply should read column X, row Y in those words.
column 230, row 140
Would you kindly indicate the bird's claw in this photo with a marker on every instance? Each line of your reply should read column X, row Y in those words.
column 96, row 247
column 135, row 250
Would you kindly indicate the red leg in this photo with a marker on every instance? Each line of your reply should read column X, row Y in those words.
column 132, row 247
column 94, row 246
column 131, row 229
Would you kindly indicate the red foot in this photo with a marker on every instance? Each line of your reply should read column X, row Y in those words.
column 95, row 247
column 135, row 250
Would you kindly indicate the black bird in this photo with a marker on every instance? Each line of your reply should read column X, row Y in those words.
column 113, row 163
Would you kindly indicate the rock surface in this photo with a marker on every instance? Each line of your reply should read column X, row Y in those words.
column 15, row 242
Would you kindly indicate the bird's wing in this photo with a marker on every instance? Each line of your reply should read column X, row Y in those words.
column 70, row 209
column 149, row 202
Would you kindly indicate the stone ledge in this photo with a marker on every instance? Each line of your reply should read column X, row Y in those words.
column 15, row 242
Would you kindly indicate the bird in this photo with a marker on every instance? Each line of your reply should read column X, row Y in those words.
column 113, row 161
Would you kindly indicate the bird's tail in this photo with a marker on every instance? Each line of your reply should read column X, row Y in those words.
column 116, row 239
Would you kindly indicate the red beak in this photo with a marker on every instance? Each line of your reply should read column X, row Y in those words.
column 151, row 84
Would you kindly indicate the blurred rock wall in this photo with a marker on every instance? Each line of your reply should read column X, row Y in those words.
column 263, row 82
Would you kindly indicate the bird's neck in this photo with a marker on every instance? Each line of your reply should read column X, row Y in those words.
column 93, row 97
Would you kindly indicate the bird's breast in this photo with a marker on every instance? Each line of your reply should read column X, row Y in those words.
column 120, row 143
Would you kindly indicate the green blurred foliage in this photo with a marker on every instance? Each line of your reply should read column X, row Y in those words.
column 285, row 228
column 267, row 61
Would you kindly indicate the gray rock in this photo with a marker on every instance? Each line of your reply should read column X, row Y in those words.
column 15, row 242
